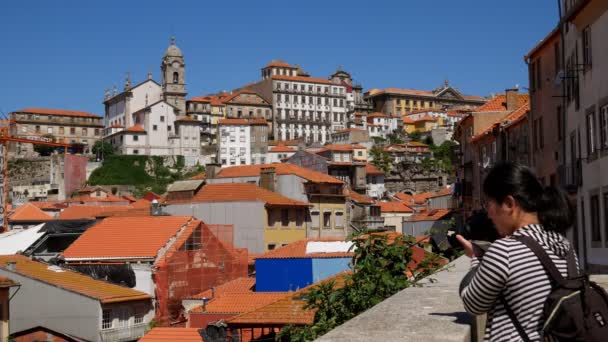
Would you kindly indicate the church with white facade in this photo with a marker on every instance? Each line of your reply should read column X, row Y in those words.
column 150, row 118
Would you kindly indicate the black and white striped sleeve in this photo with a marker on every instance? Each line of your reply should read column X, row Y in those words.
column 489, row 280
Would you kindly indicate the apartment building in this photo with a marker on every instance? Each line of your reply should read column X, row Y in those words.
column 63, row 125
column 584, row 28
column 208, row 110
column 242, row 141
column 305, row 107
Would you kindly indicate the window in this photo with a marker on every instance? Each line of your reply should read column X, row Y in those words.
column 327, row 219
column 284, row 217
column 232, row 150
column 136, row 138
column 97, row 131
column 135, row 151
column 72, row 130
column 84, row 132
column 299, row 217
column 123, row 317
column 49, row 130
column 587, row 47
column 223, row 161
column 314, row 219
column 37, row 129
column 162, row 118
column 223, row 150
column 595, row 219
column 243, row 151
column 139, row 312
column 560, row 124
column 243, row 161
column 271, row 246
column 175, row 77
column 604, row 127
column 154, row 127
column 591, row 134
column 242, row 138
column 168, row 128
column 106, row 319
column 339, row 219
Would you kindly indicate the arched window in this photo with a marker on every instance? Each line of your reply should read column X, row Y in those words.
column 175, row 77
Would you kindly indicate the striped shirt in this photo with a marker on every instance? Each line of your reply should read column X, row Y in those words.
column 511, row 268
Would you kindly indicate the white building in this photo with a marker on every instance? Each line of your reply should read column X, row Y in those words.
column 276, row 154
column 304, row 107
column 242, row 141
column 148, row 118
column 380, row 124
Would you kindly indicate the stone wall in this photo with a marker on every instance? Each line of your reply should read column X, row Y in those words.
column 26, row 171
column 406, row 177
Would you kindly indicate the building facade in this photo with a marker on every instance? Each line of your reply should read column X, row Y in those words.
column 242, row 141
column 62, row 125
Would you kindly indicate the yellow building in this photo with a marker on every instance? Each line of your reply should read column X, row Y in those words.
column 427, row 123
column 409, row 125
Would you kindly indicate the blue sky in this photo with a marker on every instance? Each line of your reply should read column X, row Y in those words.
column 63, row 54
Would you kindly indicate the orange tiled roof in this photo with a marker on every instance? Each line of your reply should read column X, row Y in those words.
column 426, row 118
column 172, row 334
column 238, row 285
column 301, row 79
column 75, row 212
column 239, row 302
column 281, row 148
column 509, row 120
column 48, row 205
column 237, row 192
column 432, row 215
column 29, row 212
column 62, row 112
column 135, row 129
column 394, row 207
column 350, row 130
column 72, row 281
column 243, row 122
column 422, row 197
column 407, row 120
column 377, row 115
column 442, row 192
column 140, row 204
column 499, row 103
column 127, row 237
column 342, row 147
column 358, row 198
column 281, row 169
column 297, row 249
column 416, row 144
column 214, row 100
column 279, row 64
column 129, row 198
column 199, row 176
column 403, row 197
column 370, row 169
column 86, row 197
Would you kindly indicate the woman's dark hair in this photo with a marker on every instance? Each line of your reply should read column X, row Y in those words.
column 554, row 209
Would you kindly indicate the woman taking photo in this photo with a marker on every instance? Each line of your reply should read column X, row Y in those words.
column 509, row 276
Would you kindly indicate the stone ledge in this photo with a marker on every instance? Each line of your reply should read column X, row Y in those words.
column 433, row 312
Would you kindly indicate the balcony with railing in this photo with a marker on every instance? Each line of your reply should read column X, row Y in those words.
column 570, row 176
column 130, row 333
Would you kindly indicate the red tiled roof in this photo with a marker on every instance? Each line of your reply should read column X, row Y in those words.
column 499, row 103
column 350, row 130
column 281, row 148
column 394, row 207
column 135, row 129
column 432, row 215
column 426, row 118
column 129, row 198
column 72, row 281
column 405, row 198
column 358, row 198
column 48, row 205
column 342, row 147
column 199, row 176
column 172, row 334
column 301, row 79
column 243, row 122
column 509, row 120
column 62, row 112
column 422, row 197
column 214, row 100
column 407, row 120
column 442, row 192
column 370, row 169
column 239, row 302
column 127, row 237
column 281, row 169
column 238, row 285
column 75, row 212
column 86, row 198
column 279, row 64
column 239, row 192
column 29, row 212
column 297, row 249
column 377, row 115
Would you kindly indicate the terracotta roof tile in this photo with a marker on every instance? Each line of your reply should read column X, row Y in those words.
column 135, row 129
column 62, row 112
column 281, row 169
column 87, row 198
column 129, row 198
column 432, row 215
column 239, row 302
column 279, row 64
column 499, row 103
column 200, row 176
column 343, row 147
column 297, row 250
column 358, row 198
column 426, row 118
column 239, row 192
column 72, row 281
column 405, row 198
column 238, row 285
column 509, row 120
column 243, row 122
column 281, row 148
column 48, row 205
column 407, row 120
column 75, row 212
column 422, row 197
column 370, row 169
column 394, row 207
column 172, row 334
column 302, row 79
column 127, row 237
column 29, row 212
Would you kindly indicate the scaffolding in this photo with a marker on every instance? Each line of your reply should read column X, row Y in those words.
column 202, row 257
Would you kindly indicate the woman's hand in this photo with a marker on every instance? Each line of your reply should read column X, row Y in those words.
column 466, row 244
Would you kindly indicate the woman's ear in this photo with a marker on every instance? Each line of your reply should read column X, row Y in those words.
column 509, row 203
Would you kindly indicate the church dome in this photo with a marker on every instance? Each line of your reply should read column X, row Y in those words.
column 173, row 50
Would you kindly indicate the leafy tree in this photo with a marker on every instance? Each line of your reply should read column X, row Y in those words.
column 379, row 271
column 102, row 148
column 428, row 140
column 394, row 139
column 443, row 155
column 378, row 140
column 381, row 158
column 44, row 150
column 415, row 136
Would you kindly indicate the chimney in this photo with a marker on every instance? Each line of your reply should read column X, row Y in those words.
column 11, row 266
column 212, row 169
column 511, row 95
column 155, row 209
column 267, row 177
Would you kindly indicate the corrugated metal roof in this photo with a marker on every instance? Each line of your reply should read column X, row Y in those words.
column 185, row 185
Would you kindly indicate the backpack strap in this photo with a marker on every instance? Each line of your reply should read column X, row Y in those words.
column 573, row 270
column 544, row 258
column 520, row 329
